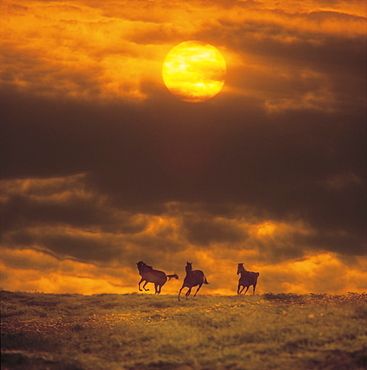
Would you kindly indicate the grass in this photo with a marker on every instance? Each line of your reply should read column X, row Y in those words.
column 141, row 331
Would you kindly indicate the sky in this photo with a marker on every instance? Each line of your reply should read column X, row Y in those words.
column 101, row 166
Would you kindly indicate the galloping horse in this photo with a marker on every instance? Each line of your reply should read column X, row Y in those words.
column 149, row 275
column 192, row 278
column 247, row 279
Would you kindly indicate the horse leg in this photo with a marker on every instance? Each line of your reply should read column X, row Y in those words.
column 188, row 292
column 238, row 289
column 247, row 289
column 141, row 280
column 197, row 290
column 253, row 289
column 179, row 293
column 145, row 285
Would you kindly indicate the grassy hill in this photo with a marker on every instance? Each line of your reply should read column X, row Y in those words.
column 143, row 331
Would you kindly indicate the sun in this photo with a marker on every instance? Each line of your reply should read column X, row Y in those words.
column 194, row 71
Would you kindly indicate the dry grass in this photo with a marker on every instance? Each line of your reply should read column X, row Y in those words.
column 140, row 331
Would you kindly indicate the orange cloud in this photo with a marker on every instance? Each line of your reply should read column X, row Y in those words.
column 75, row 51
column 319, row 273
column 104, row 50
column 30, row 270
column 60, row 253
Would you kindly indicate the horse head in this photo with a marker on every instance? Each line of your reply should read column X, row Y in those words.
column 140, row 265
column 240, row 268
column 188, row 266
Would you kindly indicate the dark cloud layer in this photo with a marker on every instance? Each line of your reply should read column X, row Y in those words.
column 280, row 165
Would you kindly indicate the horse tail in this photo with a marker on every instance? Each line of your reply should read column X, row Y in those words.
column 205, row 281
column 172, row 276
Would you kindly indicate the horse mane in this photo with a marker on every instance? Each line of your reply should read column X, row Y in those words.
column 142, row 264
column 148, row 267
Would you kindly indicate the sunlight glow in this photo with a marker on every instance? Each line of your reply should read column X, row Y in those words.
column 194, row 71
column 267, row 228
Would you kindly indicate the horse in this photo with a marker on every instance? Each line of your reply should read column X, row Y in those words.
column 247, row 279
column 192, row 278
column 149, row 275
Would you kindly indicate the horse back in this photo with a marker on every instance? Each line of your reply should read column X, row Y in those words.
column 248, row 278
column 155, row 276
column 194, row 277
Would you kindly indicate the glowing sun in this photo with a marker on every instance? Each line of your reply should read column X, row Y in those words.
column 194, row 71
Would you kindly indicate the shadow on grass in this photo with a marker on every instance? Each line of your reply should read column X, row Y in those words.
column 21, row 361
column 284, row 297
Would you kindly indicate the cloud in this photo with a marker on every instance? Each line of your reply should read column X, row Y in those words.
column 146, row 160
column 35, row 271
column 74, row 51
column 52, row 252
column 202, row 231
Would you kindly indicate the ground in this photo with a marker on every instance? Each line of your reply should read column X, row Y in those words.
column 144, row 331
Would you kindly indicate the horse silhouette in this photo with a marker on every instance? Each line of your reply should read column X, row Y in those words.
column 192, row 278
column 149, row 275
column 247, row 279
